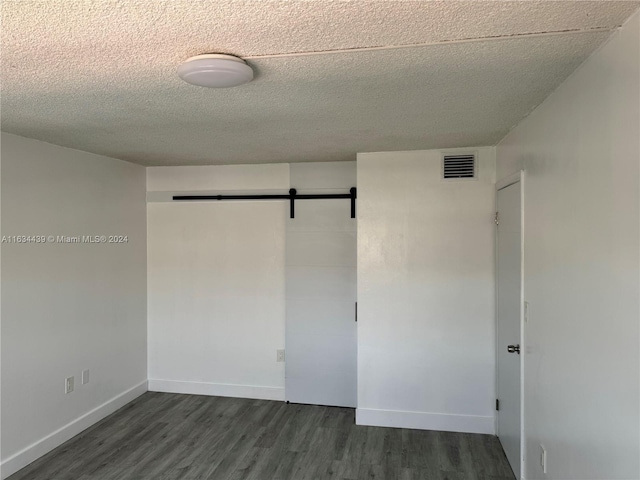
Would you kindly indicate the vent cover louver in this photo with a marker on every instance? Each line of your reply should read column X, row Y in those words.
column 459, row 166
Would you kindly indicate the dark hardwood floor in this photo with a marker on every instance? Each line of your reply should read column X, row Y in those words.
column 164, row 436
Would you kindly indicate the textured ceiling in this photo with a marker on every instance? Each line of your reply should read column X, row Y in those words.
column 101, row 75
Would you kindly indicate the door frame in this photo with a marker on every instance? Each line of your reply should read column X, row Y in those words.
column 501, row 184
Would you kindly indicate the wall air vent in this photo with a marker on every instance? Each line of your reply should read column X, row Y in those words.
column 456, row 167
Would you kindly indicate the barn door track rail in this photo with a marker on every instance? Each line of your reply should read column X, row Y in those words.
column 292, row 197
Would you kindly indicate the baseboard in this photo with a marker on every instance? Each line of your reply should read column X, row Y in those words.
column 425, row 421
column 34, row 451
column 217, row 389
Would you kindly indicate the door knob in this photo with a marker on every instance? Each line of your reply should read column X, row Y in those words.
column 513, row 349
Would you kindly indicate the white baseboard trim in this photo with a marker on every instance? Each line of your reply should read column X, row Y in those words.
column 217, row 389
column 43, row 446
column 425, row 421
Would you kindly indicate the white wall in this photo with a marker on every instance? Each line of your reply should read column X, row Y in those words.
column 581, row 153
column 425, row 293
column 216, row 282
column 321, row 262
column 68, row 307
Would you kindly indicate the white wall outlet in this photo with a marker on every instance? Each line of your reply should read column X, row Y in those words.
column 85, row 376
column 279, row 355
column 68, row 384
column 526, row 311
column 543, row 458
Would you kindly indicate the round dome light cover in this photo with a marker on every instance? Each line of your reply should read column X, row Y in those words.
column 215, row 71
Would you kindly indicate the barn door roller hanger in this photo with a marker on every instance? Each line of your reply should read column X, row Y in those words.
column 292, row 197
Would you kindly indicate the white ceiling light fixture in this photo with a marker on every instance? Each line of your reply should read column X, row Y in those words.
column 215, row 71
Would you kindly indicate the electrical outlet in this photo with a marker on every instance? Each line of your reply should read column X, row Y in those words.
column 543, row 459
column 68, row 384
column 279, row 355
column 526, row 312
column 85, row 376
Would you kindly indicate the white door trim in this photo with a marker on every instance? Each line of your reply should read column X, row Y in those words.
column 509, row 180
column 500, row 184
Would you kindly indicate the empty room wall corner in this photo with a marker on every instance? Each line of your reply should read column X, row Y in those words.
column 68, row 306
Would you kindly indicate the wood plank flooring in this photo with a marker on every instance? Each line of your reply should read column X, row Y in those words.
column 163, row 436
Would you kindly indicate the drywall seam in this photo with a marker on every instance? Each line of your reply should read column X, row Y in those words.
column 613, row 31
column 430, row 44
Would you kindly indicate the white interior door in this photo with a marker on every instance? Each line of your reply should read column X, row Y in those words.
column 508, row 268
column 321, row 343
